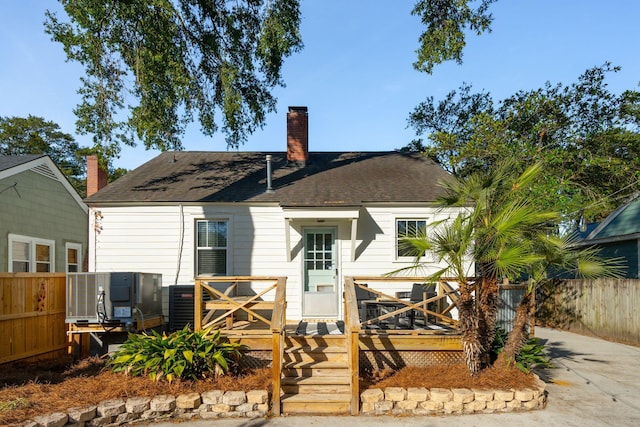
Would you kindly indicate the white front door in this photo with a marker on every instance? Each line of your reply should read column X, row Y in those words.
column 320, row 292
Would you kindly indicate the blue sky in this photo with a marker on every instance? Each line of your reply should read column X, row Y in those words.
column 355, row 73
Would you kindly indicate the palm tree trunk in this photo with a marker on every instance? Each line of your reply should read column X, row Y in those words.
column 487, row 314
column 519, row 333
column 471, row 343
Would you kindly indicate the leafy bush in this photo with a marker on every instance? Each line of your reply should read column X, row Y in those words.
column 182, row 354
column 532, row 353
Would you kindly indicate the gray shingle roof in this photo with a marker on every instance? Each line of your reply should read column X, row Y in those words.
column 328, row 179
column 8, row 162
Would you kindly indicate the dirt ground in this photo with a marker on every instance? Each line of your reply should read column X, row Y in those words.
column 31, row 389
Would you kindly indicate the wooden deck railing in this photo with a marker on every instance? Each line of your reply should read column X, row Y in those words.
column 445, row 292
column 352, row 332
column 230, row 301
column 278, row 322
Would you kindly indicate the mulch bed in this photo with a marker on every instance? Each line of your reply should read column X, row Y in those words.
column 31, row 389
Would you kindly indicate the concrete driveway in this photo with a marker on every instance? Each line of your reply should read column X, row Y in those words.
column 594, row 383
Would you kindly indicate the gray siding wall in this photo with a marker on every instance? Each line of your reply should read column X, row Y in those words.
column 41, row 208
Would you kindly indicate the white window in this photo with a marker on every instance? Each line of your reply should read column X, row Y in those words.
column 408, row 228
column 73, row 257
column 212, row 247
column 30, row 254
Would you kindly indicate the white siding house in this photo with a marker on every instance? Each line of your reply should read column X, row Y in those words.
column 162, row 239
column 315, row 218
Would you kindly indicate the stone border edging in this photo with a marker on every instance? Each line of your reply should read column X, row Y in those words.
column 423, row 401
column 255, row 403
column 208, row 405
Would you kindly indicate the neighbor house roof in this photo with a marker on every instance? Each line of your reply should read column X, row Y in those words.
column 621, row 224
column 40, row 164
column 327, row 179
column 8, row 162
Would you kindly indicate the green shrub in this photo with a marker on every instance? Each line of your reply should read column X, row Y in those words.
column 532, row 353
column 182, row 354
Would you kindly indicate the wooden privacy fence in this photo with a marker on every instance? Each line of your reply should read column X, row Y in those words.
column 32, row 316
column 607, row 308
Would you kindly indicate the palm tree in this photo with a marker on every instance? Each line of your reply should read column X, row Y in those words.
column 506, row 234
column 558, row 254
column 496, row 233
column 451, row 242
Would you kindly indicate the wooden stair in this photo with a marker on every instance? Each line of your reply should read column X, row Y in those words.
column 315, row 375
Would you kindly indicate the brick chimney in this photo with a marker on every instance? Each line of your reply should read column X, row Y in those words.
column 96, row 176
column 298, row 135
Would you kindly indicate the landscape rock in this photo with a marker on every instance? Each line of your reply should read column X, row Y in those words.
column 432, row 405
column 462, row 395
column 524, row 395
column 212, row 397
column 505, row 395
column 163, row 403
column 257, row 396
column 452, row 407
column 81, row 414
column 495, row 405
column 419, row 394
column 406, row 405
column 188, row 401
column 475, row 406
column 372, row 395
column 484, row 395
column 440, row 394
column 137, row 405
column 395, row 394
column 110, row 408
column 56, row 419
column 234, row 398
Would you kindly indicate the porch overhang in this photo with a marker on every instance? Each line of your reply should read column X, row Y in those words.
column 321, row 214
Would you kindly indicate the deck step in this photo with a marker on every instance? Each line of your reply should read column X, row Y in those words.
column 343, row 379
column 315, row 403
column 315, row 375
column 314, row 364
column 317, row 372
column 315, row 349
column 320, row 389
column 316, row 357
column 316, row 341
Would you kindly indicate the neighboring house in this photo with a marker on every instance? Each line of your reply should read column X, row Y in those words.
column 618, row 236
column 43, row 220
column 312, row 217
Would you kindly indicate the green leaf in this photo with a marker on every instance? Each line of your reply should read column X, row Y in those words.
column 149, row 78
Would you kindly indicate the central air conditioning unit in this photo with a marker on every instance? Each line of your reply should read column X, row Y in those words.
column 120, row 298
column 182, row 306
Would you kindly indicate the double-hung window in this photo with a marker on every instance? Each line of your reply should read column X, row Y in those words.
column 74, row 257
column 30, row 254
column 212, row 247
column 408, row 228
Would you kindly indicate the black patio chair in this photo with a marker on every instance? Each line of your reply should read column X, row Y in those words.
column 421, row 292
column 363, row 295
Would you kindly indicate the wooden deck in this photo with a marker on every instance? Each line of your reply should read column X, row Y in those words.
column 319, row 374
